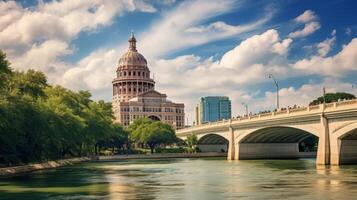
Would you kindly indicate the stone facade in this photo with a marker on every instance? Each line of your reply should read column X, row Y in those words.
column 134, row 94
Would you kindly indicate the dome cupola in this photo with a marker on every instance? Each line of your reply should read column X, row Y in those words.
column 132, row 57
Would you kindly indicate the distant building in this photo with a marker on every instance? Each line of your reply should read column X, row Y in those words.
column 134, row 94
column 212, row 108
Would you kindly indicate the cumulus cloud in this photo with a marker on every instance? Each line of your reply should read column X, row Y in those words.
column 325, row 46
column 309, row 19
column 307, row 16
column 308, row 29
column 336, row 65
column 252, row 59
column 186, row 23
column 37, row 37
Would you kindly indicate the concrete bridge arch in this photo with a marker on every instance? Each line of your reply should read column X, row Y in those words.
column 273, row 142
column 344, row 144
column 213, row 142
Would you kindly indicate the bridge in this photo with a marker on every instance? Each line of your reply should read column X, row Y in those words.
column 279, row 134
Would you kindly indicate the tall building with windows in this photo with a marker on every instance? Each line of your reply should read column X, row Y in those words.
column 134, row 94
column 212, row 108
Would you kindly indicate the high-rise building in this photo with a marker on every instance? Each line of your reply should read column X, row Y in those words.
column 134, row 94
column 212, row 108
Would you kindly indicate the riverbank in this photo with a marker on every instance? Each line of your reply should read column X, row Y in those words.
column 162, row 155
column 9, row 171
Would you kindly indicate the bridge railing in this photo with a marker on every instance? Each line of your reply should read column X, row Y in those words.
column 313, row 108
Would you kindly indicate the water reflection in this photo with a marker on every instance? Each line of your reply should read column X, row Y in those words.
column 186, row 179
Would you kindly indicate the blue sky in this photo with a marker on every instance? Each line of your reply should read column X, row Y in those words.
column 195, row 48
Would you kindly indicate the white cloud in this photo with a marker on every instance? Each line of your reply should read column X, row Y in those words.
column 265, row 48
column 302, row 96
column 185, row 23
column 308, row 29
column 307, row 16
column 29, row 32
column 43, row 56
column 325, row 46
column 248, row 63
column 282, row 47
column 336, row 65
column 10, row 11
column 93, row 72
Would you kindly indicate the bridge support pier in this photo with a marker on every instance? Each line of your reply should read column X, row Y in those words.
column 335, row 145
column 231, row 146
column 323, row 149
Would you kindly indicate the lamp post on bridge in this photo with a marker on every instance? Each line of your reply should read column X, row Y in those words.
column 246, row 108
column 277, row 90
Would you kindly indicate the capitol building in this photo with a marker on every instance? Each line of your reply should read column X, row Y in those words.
column 134, row 94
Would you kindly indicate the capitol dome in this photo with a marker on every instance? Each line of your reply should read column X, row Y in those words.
column 132, row 57
column 133, row 75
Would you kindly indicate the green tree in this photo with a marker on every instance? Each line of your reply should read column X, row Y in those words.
column 39, row 121
column 152, row 133
column 192, row 141
column 134, row 136
column 5, row 70
column 333, row 97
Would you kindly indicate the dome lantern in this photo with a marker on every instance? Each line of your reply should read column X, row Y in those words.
column 132, row 42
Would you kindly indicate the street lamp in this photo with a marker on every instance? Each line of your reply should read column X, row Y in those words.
column 277, row 90
column 324, row 94
column 246, row 108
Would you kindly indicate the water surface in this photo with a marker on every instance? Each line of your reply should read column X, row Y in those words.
column 195, row 179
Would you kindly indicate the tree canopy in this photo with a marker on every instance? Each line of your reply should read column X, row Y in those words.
column 39, row 121
column 333, row 97
column 151, row 133
column 191, row 141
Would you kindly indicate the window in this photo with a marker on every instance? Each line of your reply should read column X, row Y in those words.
column 124, row 73
column 133, row 73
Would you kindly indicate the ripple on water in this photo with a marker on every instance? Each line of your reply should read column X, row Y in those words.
column 186, row 179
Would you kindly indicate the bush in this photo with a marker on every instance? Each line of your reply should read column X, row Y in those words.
column 170, row 150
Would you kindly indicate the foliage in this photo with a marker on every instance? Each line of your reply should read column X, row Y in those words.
column 151, row 133
column 40, row 122
column 170, row 150
column 333, row 97
column 191, row 141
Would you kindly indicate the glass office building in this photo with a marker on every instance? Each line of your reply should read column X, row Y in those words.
column 213, row 108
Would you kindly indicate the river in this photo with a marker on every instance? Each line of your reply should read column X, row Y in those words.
column 194, row 179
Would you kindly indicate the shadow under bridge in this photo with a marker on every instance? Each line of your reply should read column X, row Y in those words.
column 278, row 142
column 212, row 143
